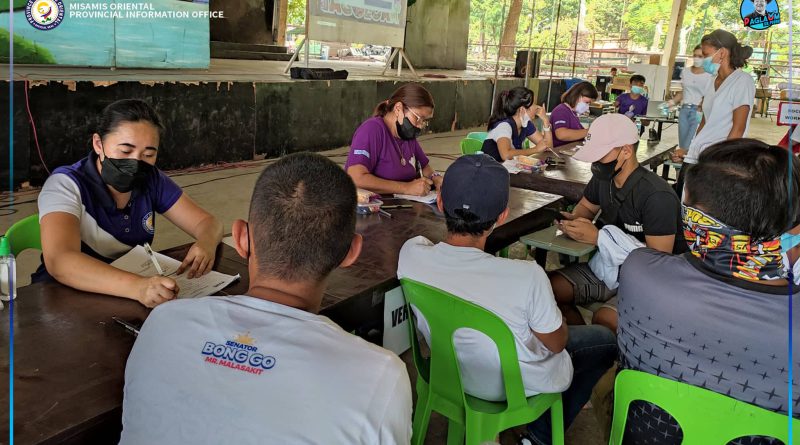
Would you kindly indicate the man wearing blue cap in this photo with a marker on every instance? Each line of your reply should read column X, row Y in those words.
column 552, row 357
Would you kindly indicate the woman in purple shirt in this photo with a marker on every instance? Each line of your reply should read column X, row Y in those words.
column 564, row 118
column 385, row 156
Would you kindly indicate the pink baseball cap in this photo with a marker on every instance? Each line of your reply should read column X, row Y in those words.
column 607, row 132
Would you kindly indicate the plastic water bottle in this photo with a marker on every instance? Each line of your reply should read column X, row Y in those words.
column 8, row 271
column 639, row 127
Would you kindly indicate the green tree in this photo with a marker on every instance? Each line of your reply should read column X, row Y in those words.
column 296, row 12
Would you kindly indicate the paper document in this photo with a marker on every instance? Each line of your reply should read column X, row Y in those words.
column 430, row 198
column 511, row 166
column 137, row 261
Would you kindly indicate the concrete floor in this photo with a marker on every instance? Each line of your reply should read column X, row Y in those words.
column 226, row 193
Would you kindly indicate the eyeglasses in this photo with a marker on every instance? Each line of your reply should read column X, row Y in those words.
column 422, row 123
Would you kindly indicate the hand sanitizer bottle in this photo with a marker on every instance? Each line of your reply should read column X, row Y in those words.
column 8, row 271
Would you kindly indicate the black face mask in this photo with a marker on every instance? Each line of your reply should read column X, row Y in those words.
column 124, row 174
column 605, row 171
column 407, row 131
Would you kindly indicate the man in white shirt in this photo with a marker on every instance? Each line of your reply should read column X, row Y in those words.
column 552, row 357
column 263, row 367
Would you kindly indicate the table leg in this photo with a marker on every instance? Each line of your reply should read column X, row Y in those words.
column 540, row 255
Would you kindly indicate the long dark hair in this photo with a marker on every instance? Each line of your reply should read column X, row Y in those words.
column 723, row 39
column 410, row 95
column 580, row 89
column 127, row 110
column 509, row 102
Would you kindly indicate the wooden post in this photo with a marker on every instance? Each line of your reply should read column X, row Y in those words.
column 283, row 14
column 673, row 35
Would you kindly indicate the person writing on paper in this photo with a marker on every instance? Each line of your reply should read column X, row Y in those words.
column 511, row 124
column 96, row 210
column 385, row 156
column 264, row 367
column 623, row 194
column 728, row 100
column 567, row 126
column 695, row 81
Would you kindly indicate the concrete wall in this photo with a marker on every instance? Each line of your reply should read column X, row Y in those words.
column 227, row 121
column 246, row 21
column 438, row 33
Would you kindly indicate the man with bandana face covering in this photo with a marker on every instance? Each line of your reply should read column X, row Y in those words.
column 622, row 194
column 96, row 210
column 716, row 317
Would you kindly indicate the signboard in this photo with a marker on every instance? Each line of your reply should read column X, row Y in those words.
column 789, row 113
column 379, row 22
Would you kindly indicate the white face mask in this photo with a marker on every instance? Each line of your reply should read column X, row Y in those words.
column 697, row 61
column 525, row 119
column 581, row 107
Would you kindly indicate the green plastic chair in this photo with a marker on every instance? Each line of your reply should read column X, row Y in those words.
column 439, row 385
column 478, row 135
column 705, row 417
column 470, row 146
column 24, row 234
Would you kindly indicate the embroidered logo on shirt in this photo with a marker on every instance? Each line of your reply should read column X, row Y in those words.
column 147, row 223
column 238, row 354
column 361, row 152
column 634, row 228
column 560, row 122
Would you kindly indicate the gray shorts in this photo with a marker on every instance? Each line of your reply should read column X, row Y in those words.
column 586, row 287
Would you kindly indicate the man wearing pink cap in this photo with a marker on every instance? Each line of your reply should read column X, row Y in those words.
column 623, row 194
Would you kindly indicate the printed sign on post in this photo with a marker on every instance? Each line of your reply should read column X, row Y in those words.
column 789, row 113
column 395, row 321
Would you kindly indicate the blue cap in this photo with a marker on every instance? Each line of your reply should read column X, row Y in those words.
column 477, row 184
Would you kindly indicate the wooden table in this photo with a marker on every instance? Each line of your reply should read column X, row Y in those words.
column 570, row 180
column 69, row 356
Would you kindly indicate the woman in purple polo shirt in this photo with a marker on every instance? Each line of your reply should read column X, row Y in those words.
column 564, row 118
column 385, row 156
column 97, row 209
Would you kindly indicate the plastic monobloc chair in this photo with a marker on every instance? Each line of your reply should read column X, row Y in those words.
column 439, row 386
column 705, row 417
column 24, row 234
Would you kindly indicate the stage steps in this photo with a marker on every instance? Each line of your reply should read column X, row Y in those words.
column 248, row 51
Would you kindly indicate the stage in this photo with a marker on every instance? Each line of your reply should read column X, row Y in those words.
column 236, row 110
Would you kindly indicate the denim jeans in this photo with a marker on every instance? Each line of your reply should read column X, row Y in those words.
column 687, row 125
column 593, row 350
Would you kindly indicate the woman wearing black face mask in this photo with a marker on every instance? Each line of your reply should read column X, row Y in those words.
column 96, row 210
column 385, row 156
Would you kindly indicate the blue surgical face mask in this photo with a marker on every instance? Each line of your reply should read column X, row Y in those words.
column 637, row 89
column 709, row 66
column 788, row 241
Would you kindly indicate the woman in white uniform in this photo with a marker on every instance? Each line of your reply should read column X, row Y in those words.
column 728, row 101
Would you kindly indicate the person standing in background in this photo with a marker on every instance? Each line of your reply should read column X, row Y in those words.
column 695, row 81
column 727, row 103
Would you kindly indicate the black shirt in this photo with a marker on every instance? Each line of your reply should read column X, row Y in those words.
column 645, row 205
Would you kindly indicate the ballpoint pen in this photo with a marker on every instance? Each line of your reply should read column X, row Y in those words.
column 130, row 327
column 597, row 216
column 153, row 258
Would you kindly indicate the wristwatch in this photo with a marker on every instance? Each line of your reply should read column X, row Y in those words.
column 435, row 174
column 547, row 128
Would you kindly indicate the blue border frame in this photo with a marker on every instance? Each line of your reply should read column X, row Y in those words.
column 11, row 192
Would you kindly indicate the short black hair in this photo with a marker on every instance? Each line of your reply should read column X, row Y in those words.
column 638, row 78
column 465, row 222
column 127, row 110
column 745, row 183
column 302, row 217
